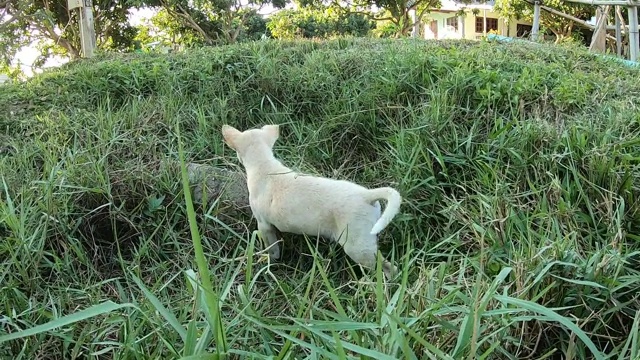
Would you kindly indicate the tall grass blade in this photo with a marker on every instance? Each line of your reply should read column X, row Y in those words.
column 211, row 298
column 164, row 312
column 553, row 316
column 93, row 311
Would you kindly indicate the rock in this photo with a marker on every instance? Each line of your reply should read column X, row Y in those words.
column 208, row 183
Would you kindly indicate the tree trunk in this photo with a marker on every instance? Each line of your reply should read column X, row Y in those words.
column 569, row 30
column 405, row 24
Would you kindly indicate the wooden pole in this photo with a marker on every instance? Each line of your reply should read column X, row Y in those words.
column 599, row 41
column 625, row 31
column 415, row 30
column 618, row 32
column 572, row 18
column 536, row 21
column 567, row 16
column 87, row 30
column 484, row 22
column 621, row 17
column 634, row 41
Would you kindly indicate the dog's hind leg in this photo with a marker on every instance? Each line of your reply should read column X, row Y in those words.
column 364, row 251
column 268, row 232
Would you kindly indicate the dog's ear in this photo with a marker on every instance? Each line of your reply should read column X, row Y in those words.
column 229, row 133
column 273, row 132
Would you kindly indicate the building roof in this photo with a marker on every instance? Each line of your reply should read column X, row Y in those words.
column 453, row 5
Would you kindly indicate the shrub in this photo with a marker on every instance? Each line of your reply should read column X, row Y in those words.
column 312, row 22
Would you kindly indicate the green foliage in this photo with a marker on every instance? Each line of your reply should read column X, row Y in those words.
column 393, row 14
column 397, row 12
column 518, row 235
column 213, row 22
column 165, row 30
column 317, row 22
column 52, row 28
column 255, row 27
column 559, row 26
column 386, row 29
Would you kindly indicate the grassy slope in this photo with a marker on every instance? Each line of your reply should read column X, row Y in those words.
column 518, row 165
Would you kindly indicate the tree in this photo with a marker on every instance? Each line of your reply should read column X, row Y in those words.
column 216, row 21
column 396, row 12
column 561, row 27
column 169, row 31
column 53, row 29
column 317, row 22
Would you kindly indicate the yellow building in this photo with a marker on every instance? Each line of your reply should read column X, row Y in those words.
column 444, row 23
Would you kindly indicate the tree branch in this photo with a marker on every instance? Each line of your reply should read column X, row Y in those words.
column 47, row 32
column 188, row 21
column 369, row 15
column 420, row 15
column 65, row 43
column 5, row 24
column 237, row 30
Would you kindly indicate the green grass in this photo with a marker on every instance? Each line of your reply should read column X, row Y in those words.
column 518, row 235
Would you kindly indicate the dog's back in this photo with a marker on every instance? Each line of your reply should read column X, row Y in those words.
column 312, row 205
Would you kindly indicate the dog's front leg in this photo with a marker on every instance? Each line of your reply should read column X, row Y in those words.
column 268, row 232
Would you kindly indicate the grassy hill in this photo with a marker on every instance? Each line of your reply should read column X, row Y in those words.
column 518, row 235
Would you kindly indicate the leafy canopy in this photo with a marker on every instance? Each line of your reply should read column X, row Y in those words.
column 53, row 29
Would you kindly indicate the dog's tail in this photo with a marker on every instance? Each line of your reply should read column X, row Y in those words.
column 393, row 206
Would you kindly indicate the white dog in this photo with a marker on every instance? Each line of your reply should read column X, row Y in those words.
column 281, row 199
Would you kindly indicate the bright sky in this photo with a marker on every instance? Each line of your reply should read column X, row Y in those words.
column 28, row 55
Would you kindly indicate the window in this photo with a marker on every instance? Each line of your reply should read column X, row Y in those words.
column 492, row 24
column 453, row 22
column 523, row 30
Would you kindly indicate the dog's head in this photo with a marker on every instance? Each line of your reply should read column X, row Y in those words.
column 256, row 141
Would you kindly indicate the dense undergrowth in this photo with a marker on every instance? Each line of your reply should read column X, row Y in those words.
column 518, row 236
